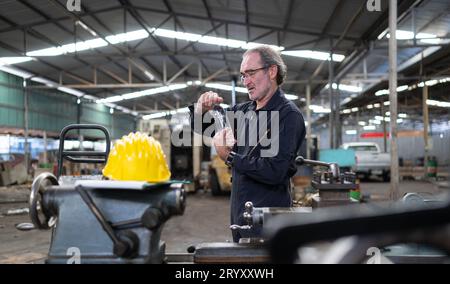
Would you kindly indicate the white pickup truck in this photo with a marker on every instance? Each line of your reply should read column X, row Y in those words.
column 370, row 160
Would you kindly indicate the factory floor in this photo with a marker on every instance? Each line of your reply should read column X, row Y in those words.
column 206, row 219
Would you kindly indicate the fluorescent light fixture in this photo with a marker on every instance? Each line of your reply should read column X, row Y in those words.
column 44, row 81
column 377, row 105
column 347, row 88
column 15, row 71
column 86, row 27
column 176, row 34
column 89, row 97
column 346, row 111
column 319, row 109
column 113, row 99
column 71, row 91
column 369, row 127
column 165, row 113
column 149, row 75
column 311, row 54
column 402, row 115
column 380, row 36
column 351, row 132
column 402, row 88
column 433, row 41
column 232, row 43
column 355, row 109
column 438, row 103
column 362, row 123
column 69, row 48
column 51, row 51
column 431, row 82
column 404, row 35
column 386, row 103
column 369, row 106
column 346, row 100
column 143, row 93
column 14, row 60
column 222, row 41
column 155, row 115
column 382, row 92
column 130, row 36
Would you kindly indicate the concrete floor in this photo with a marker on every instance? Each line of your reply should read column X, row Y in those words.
column 206, row 219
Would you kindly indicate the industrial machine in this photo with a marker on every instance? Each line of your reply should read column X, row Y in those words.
column 334, row 187
column 248, row 250
column 103, row 221
column 403, row 232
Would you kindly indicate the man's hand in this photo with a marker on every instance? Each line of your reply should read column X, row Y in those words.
column 223, row 142
column 206, row 102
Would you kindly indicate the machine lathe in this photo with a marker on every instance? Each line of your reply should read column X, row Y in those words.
column 104, row 221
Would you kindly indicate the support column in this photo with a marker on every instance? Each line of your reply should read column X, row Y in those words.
column 308, row 119
column 426, row 122
column 384, row 127
column 25, row 117
column 337, row 118
column 394, row 190
column 331, row 98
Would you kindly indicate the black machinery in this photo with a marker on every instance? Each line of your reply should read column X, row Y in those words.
column 248, row 250
column 101, row 221
column 404, row 232
column 334, row 189
column 333, row 186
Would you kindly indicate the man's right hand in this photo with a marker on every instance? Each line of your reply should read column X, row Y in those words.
column 207, row 101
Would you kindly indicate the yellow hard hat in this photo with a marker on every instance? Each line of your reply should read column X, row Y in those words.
column 137, row 157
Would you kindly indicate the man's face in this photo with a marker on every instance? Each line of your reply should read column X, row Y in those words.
column 256, row 80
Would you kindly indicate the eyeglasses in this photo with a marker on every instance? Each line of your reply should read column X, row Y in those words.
column 251, row 72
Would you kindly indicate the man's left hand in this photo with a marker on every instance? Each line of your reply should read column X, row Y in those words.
column 223, row 142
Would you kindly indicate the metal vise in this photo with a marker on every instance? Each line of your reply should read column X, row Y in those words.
column 334, row 187
column 98, row 221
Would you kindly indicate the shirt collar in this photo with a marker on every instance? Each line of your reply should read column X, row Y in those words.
column 274, row 101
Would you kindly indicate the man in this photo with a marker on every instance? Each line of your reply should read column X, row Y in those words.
column 258, row 175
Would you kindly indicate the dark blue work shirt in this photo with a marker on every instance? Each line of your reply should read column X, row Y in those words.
column 263, row 179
